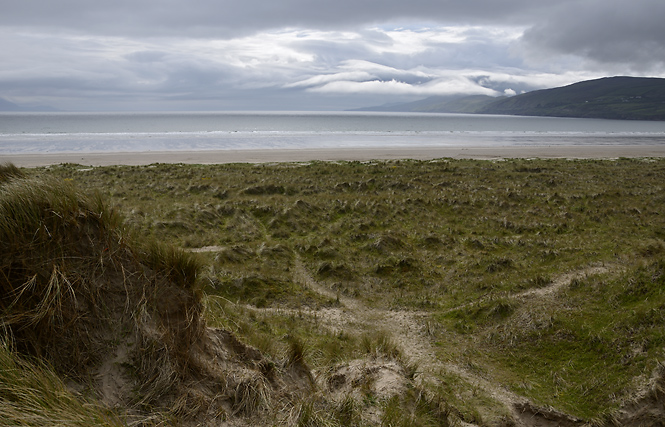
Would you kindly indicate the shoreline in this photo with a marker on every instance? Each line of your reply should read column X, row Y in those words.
column 335, row 154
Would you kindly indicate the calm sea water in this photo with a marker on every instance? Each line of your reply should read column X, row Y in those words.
column 188, row 131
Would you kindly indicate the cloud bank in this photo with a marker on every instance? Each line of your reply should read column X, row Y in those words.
column 304, row 54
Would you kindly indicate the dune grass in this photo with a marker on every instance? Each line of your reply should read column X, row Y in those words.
column 32, row 394
column 75, row 287
column 465, row 241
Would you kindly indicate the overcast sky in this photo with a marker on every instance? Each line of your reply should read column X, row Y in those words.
column 89, row 55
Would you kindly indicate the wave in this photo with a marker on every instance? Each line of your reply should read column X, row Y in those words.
column 266, row 140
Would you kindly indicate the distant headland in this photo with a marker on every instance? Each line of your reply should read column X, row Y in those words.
column 622, row 98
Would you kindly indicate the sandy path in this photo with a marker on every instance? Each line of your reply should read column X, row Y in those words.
column 409, row 330
column 561, row 281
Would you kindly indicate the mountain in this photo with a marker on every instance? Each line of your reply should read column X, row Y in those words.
column 465, row 104
column 437, row 104
column 631, row 98
column 10, row 106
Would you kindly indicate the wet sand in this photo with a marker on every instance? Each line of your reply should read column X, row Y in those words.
column 361, row 154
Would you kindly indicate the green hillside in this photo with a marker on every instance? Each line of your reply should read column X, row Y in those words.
column 438, row 104
column 627, row 98
column 465, row 104
column 632, row 98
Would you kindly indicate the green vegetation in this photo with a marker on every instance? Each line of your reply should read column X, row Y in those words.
column 634, row 98
column 470, row 284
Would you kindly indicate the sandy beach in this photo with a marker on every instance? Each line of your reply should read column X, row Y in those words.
column 360, row 154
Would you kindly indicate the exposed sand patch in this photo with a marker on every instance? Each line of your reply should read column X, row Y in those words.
column 206, row 249
column 562, row 281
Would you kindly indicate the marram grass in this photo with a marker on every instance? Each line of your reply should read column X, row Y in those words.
column 77, row 288
column 32, row 394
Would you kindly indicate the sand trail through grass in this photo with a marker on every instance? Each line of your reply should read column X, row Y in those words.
column 303, row 276
column 408, row 329
column 410, row 332
column 562, row 281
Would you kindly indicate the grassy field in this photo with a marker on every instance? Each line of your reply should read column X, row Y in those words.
column 486, row 282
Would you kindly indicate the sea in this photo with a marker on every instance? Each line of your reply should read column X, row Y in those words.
column 37, row 133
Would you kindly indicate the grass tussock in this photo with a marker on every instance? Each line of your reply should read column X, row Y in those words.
column 49, row 239
column 416, row 407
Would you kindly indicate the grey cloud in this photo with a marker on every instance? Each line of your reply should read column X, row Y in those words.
column 474, row 55
column 331, row 52
column 604, row 31
column 480, row 49
column 214, row 18
column 146, row 56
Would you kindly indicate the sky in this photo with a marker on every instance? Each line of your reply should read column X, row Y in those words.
column 126, row 55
